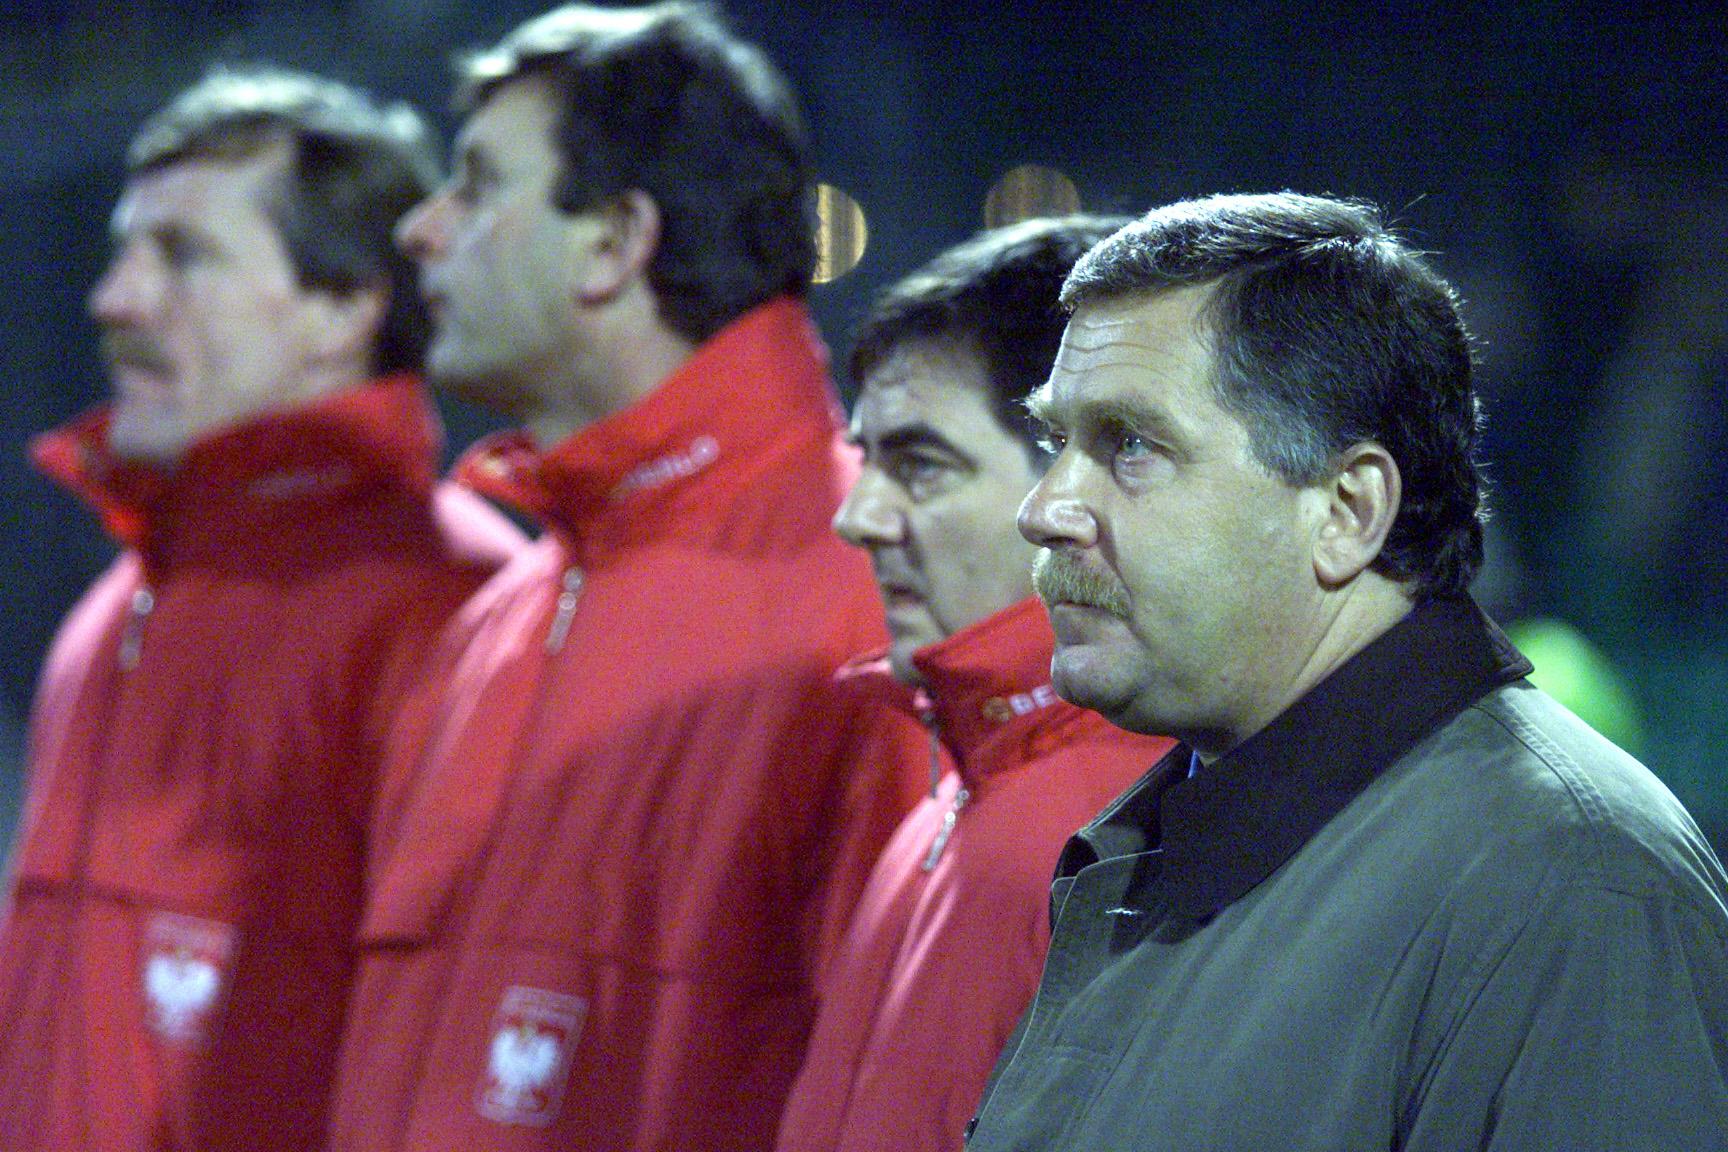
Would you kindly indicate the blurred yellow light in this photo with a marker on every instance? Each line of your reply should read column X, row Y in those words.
column 841, row 234
column 1029, row 191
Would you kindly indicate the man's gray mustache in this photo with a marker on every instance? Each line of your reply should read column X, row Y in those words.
column 1059, row 578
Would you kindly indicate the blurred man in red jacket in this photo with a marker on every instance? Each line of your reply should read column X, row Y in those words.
column 612, row 871
column 949, row 937
column 177, row 939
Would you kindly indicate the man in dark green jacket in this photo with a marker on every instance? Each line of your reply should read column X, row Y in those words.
column 1395, row 896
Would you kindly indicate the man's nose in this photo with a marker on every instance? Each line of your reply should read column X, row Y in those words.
column 870, row 515
column 424, row 229
column 1055, row 513
column 125, row 293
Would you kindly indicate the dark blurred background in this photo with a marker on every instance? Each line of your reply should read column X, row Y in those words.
column 1563, row 162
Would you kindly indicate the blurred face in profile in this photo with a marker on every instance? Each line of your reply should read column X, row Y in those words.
column 497, row 265
column 204, row 322
column 934, row 503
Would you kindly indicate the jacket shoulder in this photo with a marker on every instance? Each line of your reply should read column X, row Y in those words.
column 1557, row 795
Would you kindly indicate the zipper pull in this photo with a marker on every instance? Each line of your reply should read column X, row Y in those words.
column 132, row 637
column 566, row 610
column 949, row 819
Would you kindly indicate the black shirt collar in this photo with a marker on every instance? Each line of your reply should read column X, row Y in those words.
column 1226, row 829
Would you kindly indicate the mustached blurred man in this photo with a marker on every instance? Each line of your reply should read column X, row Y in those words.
column 177, row 939
column 949, row 938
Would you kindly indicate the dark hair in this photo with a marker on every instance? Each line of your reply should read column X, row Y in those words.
column 1326, row 330
column 995, row 296
column 665, row 100
column 354, row 169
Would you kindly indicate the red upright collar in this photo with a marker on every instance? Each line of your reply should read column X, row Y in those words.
column 241, row 482
column 709, row 428
column 987, row 687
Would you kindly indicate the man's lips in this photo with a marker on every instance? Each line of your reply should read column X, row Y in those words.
column 1067, row 616
column 134, row 356
column 895, row 588
column 433, row 292
column 130, row 382
column 899, row 595
column 137, row 370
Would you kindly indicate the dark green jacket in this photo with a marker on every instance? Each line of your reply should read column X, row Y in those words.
column 1426, row 909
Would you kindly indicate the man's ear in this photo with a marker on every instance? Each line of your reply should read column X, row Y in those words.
column 1361, row 502
column 621, row 240
column 345, row 325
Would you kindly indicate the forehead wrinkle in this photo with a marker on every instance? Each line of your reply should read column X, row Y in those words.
column 1128, row 343
column 1124, row 406
column 1091, row 332
column 1152, row 321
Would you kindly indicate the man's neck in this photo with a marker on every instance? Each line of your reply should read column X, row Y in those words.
column 322, row 383
column 1352, row 619
column 630, row 357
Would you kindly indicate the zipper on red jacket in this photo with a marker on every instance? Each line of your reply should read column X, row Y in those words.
column 927, row 717
column 949, row 819
column 568, row 595
column 132, row 635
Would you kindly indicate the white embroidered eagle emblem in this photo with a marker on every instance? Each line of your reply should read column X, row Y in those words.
column 533, row 1036
column 184, row 967
column 523, row 1061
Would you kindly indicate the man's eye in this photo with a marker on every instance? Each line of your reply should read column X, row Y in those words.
column 1052, row 441
column 471, row 182
column 1130, row 445
column 913, row 472
column 180, row 251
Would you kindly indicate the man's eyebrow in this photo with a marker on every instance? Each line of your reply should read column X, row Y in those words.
column 916, row 435
column 1126, row 413
column 1114, row 411
column 163, row 233
column 1040, row 405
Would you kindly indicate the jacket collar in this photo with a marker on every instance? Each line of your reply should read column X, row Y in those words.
column 714, row 425
column 1227, row 828
column 986, row 690
column 243, row 481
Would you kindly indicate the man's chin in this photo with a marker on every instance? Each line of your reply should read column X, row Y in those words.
column 1081, row 676
column 475, row 385
column 448, row 373
column 141, row 442
column 900, row 650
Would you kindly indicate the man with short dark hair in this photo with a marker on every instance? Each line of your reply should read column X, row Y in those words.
column 1396, row 897
column 948, row 940
column 640, row 819
column 178, row 934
